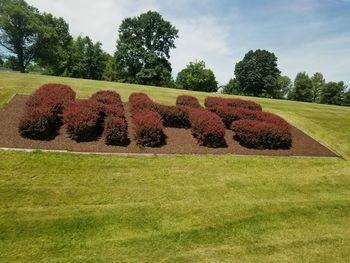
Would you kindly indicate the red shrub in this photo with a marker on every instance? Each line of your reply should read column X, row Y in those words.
column 173, row 116
column 116, row 131
column 190, row 101
column 262, row 135
column 114, row 111
column 139, row 102
column 148, row 128
column 107, row 97
column 211, row 102
column 82, row 120
column 38, row 123
column 41, row 118
column 207, row 128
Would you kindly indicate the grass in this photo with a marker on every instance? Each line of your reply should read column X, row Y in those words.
column 91, row 208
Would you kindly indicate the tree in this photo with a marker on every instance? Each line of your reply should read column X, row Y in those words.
column 333, row 93
column 197, row 77
column 284, row 84
column 143, row 50
column 318, row 83
column 30, row 35
column 302, row 90
column 231, row 87
column 257, row 74
column 86, row 59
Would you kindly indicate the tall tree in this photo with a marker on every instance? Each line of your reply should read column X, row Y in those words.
column 197, row 77
column 318, row 83
column 333, row 93
column 86, row 59
column 231, row 87
column 257, row 73
column 30, row 35
column 143, row 49
column 284, row 84
column 302, row 90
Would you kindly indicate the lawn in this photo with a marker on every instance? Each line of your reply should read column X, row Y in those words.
column 100, row 208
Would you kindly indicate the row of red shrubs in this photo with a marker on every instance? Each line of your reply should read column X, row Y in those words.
column 42, row 116
column 253, row 128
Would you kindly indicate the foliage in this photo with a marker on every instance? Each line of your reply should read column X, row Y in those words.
column 218, row 101
column 318, row 83
column 303, row 87
column 148, row 129
column 190, row 101
column 262, row 135
column 197, row 77
column 333, row 93
column 173, row 116
column 139, row 102
column 207, row 128
column 285, row 86
column 30, row 35
column 143, row 50
column 232, row 87
column 116, row 131
column 257, row 74
column 82, row 120
column 85, row 59
column 41, row 118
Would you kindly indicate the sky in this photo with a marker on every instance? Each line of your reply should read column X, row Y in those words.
column 306, row 35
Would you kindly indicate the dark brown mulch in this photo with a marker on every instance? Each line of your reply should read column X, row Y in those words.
column 179, row 141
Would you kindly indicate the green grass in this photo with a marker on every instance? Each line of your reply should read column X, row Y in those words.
column 92, row 208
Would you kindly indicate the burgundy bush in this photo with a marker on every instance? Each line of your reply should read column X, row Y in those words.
column 211, row 102
column 207, row 128
column 148, row 128
column 173, row 116
column 107, row 97
column 116, row 131
column 139, row 102
column 190, row 101
column 82, row 120
column 42, row 116
column 38, row 123
column 262, row 134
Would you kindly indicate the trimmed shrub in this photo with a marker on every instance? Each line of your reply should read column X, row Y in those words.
column 211, row 102
column 262, row 134
column 39, row 123
column 107, row 97
column 116, row 131
column 139, row 102
column 207, row 128
column 82, row 120
column 173, row 116
column 148, row 128
column 42, row 116
column 190, row 101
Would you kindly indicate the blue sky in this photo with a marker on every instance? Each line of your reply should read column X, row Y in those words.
column 306, row 35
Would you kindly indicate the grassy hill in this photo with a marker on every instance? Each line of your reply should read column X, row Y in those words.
column 91, row 208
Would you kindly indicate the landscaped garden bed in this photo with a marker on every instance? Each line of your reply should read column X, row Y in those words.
column 53, row 119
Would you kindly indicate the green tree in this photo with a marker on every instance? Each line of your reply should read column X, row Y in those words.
column 257, row 74
column 86, row 59
column 284, row 84
column 302, row 90
column 231, row 87
column 30, row 35
column 143, row 50
column 346, row 101
column 318, row 83
column 197, row 77
column 333, row 93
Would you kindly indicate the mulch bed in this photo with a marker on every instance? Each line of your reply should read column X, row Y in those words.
column 179, row 141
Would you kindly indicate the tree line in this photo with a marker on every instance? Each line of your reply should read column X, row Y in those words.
column 36, row 41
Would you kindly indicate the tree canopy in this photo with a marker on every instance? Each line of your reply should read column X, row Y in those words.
column 333, row 93
column 197, row 77
column 257, row 74
column 143, row 50
column 30, row 35
column 303, row 88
